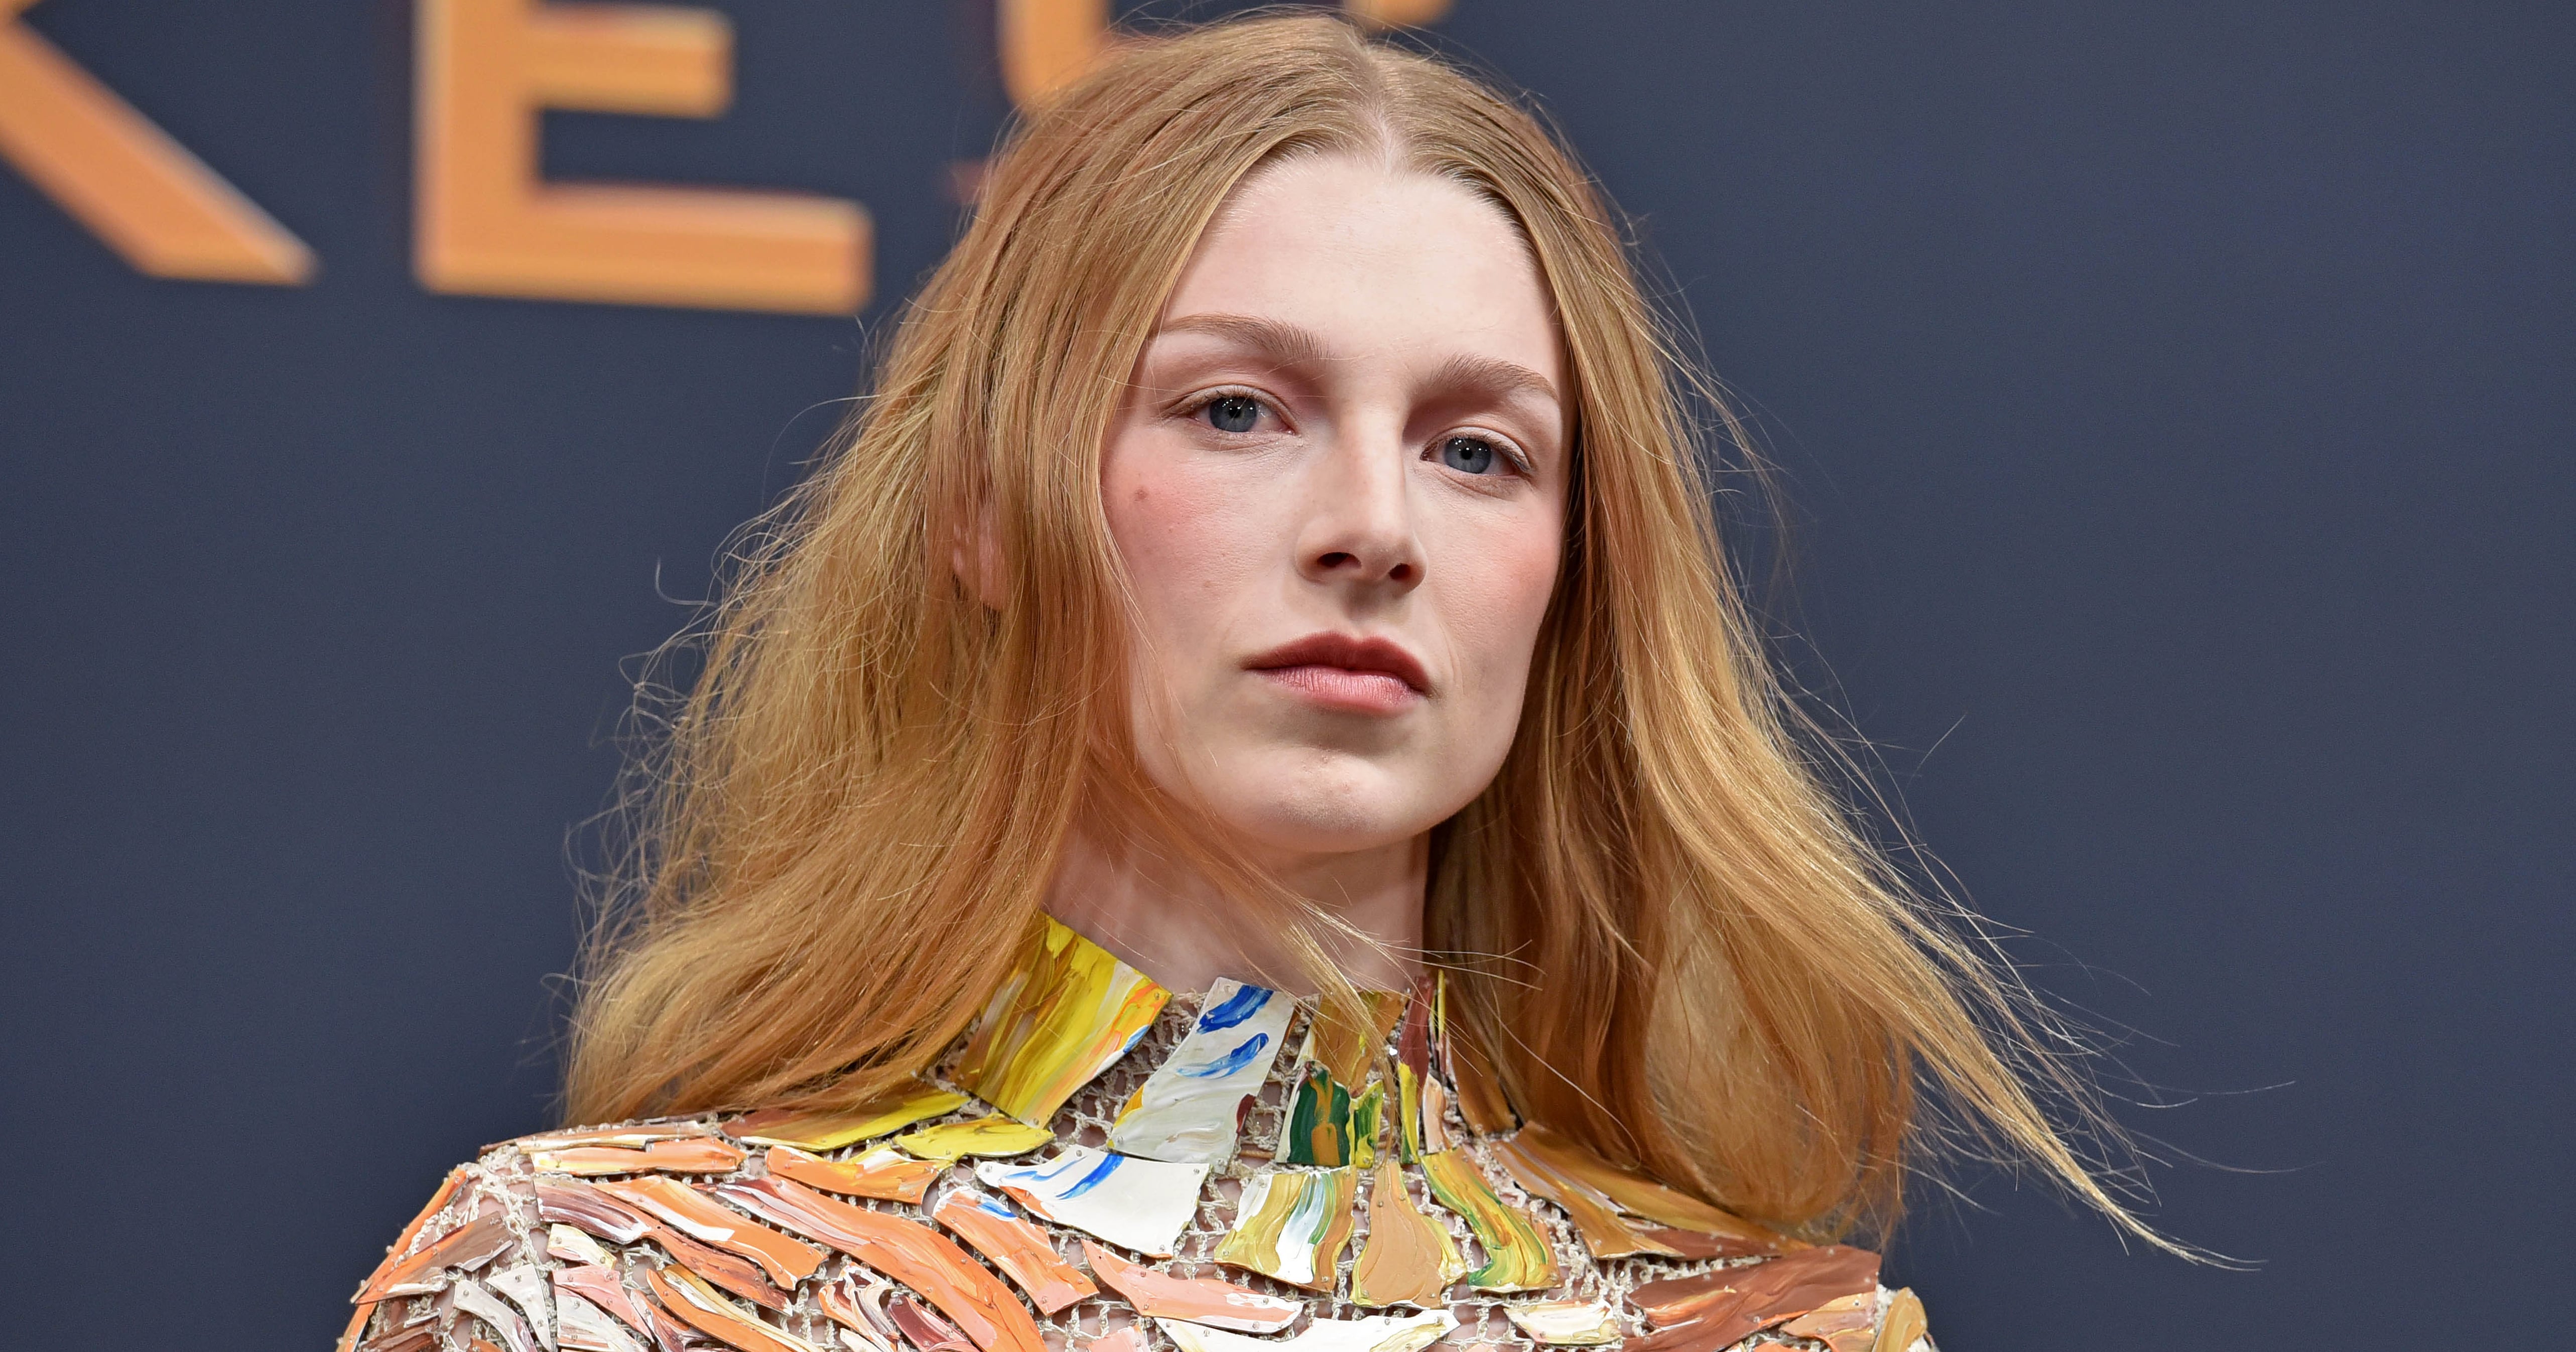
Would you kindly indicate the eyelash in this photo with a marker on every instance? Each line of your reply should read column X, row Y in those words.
column 1507, row 450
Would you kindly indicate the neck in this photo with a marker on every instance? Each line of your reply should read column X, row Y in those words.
column 1166, row 919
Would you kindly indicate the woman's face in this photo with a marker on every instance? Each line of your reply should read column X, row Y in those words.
column 1338, row 481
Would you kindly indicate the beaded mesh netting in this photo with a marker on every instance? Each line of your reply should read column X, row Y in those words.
column 503, row 1182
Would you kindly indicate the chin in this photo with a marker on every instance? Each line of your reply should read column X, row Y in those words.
column 1332, row 804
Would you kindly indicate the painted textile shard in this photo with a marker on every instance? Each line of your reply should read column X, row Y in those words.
column 695, row 1155
column 1517, row 1257
column 1462, row 1057
column 1565, row 1323
column 526, row 1287
column 1699, row 1244
column 1188, row 1109
column 695, row 1215
column 581, row 1326
column 906, row 1250
column 698, row 1306
column 585, row 1206
column 924, row 1329
column 1135, row 1204
column 473, row 1298
column 626, row 1136
column 1021, row 1250
column 1373, row 1333
column 1409, row 1259
column 572, row 1246
column 396, row 1253
column 1067, row 1010
column 599, row 1288
column 861, row 1312
column 1292, row 1225
column 410, row 1338
column 1200, row 1300
column 1368, row 1124
column 1413, row 1080
column 1128, row 1339
column 1319, row 1122
column 885, row 1173
column 1719, row 1309
column 468, row 1246
column 808, row 1129
column 1640, row 1196
column 995, row 1137
column 1843, row 1324
column 1903, row 1325
column 1603, row 1230
column 1343, row 1040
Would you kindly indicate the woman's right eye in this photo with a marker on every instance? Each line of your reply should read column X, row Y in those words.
column 1233, row 413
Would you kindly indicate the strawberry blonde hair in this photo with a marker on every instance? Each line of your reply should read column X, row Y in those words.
column 1660, row 920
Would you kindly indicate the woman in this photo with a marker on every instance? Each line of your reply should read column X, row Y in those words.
column 1241, row 807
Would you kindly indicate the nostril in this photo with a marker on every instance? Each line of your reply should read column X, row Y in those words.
column 1336, row 560
column 1402, row 572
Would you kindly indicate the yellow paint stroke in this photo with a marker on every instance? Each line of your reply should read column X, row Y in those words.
column 995, row 1137
column 1604, row 1231
column 1344, row 1043
column 833, row 1128
column 1516, row 1254
column 1409, row 1259
column 1293, row 1226
column 1068, row 1009
column 1368, row 1123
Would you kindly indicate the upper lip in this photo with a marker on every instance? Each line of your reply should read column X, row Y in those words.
column 1350, row 652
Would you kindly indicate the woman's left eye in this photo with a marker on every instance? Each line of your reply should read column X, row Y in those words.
column 1470, row 455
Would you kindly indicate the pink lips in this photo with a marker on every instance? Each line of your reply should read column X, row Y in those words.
column 1340, row 671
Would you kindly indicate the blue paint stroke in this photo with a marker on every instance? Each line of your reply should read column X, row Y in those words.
column 1243, row 1004
column 1230, row 1062
column 992, row 1206
column 1109, row 1163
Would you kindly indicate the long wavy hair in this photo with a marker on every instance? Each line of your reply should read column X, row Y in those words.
column 1662, row 919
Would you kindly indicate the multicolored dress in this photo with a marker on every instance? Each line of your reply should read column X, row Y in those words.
column 1100, row 1166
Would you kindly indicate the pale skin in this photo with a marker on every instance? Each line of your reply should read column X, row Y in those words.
column 1338, row 482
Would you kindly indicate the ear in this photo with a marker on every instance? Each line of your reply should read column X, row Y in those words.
column 982, row 544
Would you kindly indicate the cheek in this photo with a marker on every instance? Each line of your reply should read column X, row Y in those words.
column 1190, row 539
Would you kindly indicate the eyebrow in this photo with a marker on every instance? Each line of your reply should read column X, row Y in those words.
column 1289, row 345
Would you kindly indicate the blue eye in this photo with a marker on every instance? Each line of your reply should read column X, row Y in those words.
column 1468, row 455
column 1234, row 413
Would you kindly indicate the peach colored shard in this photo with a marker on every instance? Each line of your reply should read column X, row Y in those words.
column 1067, row 1010
column 473, row 1298
column 468, row 1246
column 669, row 1334
column 409, row 1338
column 572, row 1245
column 906, row 1250
column 884, row 1173
column 1021, row 1250
column 786, row 1261
column 830, row 1129
column 925, row 1330
column 700, row 1307
column 624, row 1137
column 1637, row 1195
column 1604, row 1233
column 861, row 1312
column 1699, row 1244
column 581, row 1326
column 1199, row 1300
column 1292, row 1225
column 995, row 1137
column 1128, row 1339
column 1719, row 1309
column 600, row 1287
column 1136, row 1204
column 1517, row 1257
column 1843, row 1324
column 1408, row 1259
column 526, row 1286
column 1903, row 1324
column 1565, row 1323
column 695, row 1155
column 738, row 1275
column 585, row 1207
column 1373, row 1333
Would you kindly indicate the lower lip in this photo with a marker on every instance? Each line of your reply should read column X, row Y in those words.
column 1359, row 692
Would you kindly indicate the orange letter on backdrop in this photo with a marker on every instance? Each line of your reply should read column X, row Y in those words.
column 489, row 225
column 158, row 206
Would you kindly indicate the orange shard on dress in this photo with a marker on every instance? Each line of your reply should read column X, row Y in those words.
column 786, row 1261
column 1722, row 1308
column 884, row 1173
column 906, row 1250
column 697, row 1305
column 468, row 1246
column 692, row 1155
column 1196, row 1300
column 1021, row 1250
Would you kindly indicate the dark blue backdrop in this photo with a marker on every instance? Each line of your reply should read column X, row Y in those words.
column 2177, row 399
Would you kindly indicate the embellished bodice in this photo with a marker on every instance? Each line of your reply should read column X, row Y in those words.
column 1100, row 1166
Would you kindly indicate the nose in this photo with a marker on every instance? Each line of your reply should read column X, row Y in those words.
column 1360, row 529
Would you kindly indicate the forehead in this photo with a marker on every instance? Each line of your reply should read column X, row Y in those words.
column 1377, row 260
